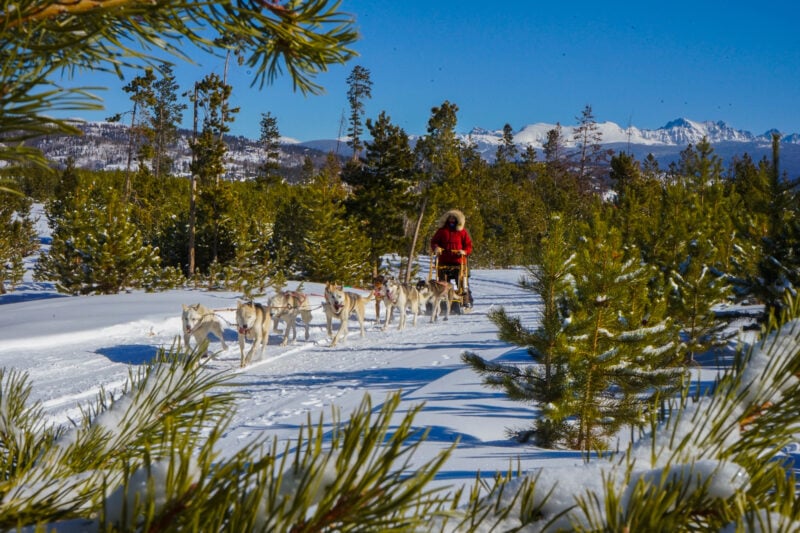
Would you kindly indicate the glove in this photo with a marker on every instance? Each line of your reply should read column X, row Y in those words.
column 437, row 251
column 461, row 252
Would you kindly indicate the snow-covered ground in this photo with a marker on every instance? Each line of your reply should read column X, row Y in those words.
column 72, row 347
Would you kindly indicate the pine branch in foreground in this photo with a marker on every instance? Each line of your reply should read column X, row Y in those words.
column 146, row 461
column 714, row 464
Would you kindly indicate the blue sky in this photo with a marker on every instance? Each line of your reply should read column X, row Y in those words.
column 522, row 62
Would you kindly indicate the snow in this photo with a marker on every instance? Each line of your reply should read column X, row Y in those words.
column 73, row 348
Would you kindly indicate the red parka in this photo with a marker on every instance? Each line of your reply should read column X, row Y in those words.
column 451, row 239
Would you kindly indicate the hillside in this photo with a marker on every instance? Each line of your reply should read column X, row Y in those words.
column 104, row 146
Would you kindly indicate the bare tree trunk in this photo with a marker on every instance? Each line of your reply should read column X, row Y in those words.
column 127, row 193
column 411, row 253
column 193, row 194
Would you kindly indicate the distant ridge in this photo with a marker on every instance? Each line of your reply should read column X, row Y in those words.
column 665, row 143
column 104, row 145
column 678, row 132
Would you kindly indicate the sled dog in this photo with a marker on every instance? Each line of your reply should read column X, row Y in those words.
column 286, row 305
column 198, row 321
column 401, row 296
column 340, row 304
column 377, row 288
column 438, row 292
column 252, row 321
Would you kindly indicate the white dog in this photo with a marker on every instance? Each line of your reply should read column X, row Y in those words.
column 340, row 304
column 198, row 321
column 252, row 321
column 286, row 305
column 401, row 296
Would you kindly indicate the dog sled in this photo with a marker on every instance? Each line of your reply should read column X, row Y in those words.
column 457, row 276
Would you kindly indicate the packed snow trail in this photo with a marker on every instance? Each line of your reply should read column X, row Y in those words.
column 72, row 347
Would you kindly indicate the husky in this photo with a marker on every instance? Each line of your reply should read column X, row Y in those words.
column 438, row 292
column 340, row 304
column 377, row 288
column 252, row 321
column 401, row 296
column 286, row 305
column 198, row 321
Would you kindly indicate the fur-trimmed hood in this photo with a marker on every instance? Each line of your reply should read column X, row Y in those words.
column 459, row 217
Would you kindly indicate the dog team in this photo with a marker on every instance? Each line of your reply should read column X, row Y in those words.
column 255, row 320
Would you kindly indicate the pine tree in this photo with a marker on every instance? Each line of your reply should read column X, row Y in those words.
column 387, row 171
column 39, row 48
column 695, row 289
column 545, row 382
column 270, row 140
column 97, row 250
column 507, row 151
column 778, row 271
column 146, row 460
column 211, row 96
column 141, row 90
column 359, row 88
column 623, row 348
column 334, row 248
column 17, row 235
column 438, row 159
column 166, row 113
column 589, row 152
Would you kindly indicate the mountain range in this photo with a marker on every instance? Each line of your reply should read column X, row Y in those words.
column 104, row 145
column 665, row 143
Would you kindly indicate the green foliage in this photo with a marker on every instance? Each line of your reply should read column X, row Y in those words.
column 165, row 115
column 39, row 44
column 380, row 198
column 145, row 460
column 694, row 289
column 359, row 88
column 270, row 140
column 96, row 249
column 336, row 250
column 709, row 465
column 589, row 155
column 17, row 235
column 623, row 347
column 543, row 383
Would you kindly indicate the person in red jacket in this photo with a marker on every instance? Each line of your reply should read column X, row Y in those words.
column 452, row 244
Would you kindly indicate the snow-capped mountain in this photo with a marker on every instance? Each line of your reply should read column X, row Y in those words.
column 680, row 132
column 665, row 143
column 104, row 145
